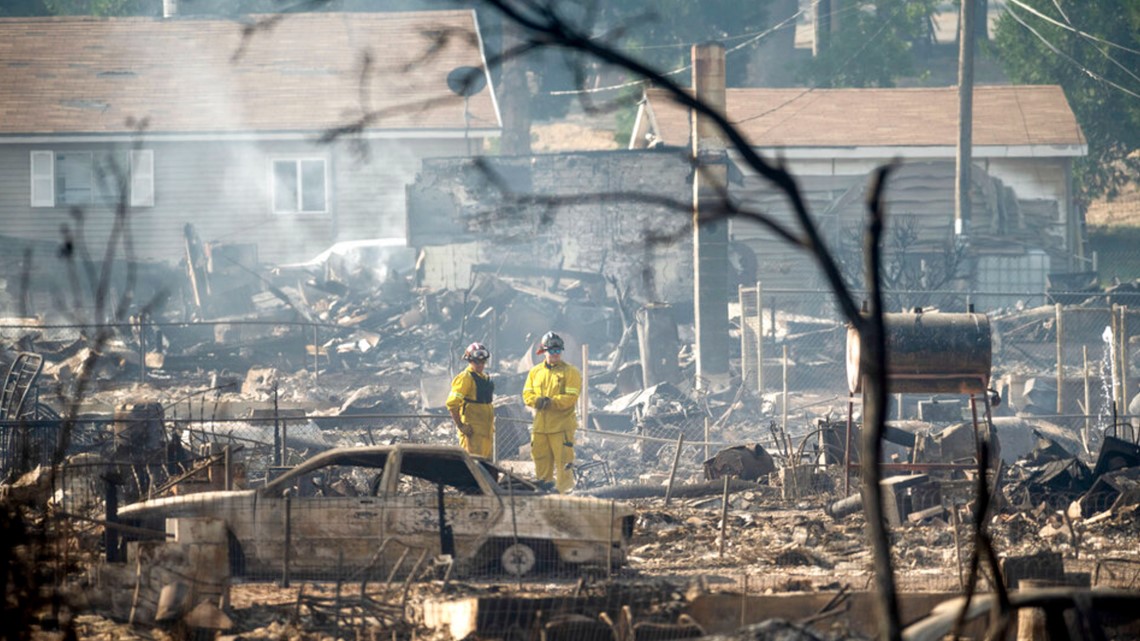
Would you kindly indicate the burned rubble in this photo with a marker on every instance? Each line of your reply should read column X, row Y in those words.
column 737, row 491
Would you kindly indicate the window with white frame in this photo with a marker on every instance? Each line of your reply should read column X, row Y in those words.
column 72, row 178
column 74, row 175
column 300, row 186
column 142, row 178
column 43, row 179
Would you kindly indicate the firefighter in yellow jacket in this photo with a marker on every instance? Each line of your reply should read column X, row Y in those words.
column 470, row 403
column 552, row 389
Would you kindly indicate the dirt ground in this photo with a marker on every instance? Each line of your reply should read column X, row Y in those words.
column 768, row 546
column 1122, row 211
column 765, row 543
column 581, row 135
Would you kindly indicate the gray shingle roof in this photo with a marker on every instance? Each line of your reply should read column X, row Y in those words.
column 212, row 76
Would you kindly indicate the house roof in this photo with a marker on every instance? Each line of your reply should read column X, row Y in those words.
column 302, row 72
column 1005, row 117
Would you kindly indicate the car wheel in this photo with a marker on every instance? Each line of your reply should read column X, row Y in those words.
column 518, row 559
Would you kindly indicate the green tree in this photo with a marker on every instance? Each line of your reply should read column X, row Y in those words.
column 1091, row 49
column 232, row 8
column 661, row 32
column 871, row 44
column 22, row 8
column 103, row 7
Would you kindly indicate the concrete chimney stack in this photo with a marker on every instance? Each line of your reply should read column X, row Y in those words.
column 710, row 225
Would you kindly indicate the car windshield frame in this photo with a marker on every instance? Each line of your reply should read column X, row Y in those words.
column 368, row 458
column 484, row 485
column 381, row 459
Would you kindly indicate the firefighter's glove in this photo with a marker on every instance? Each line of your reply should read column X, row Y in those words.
column 465, row 429
column 542, row 402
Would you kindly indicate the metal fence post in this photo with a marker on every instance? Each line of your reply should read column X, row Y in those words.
column 784, row 397
column 759, row 342
column 584, row 398
column 284, row 442
column 610, row 549
column 723, row 516
column 287, row 551
column 111, row 503
column 228, row 468
column 316, row 354
column 142, row 349
column 743, row 598
column 673, row 469
column 278, row 442
column 745, row 348
column 1088, row 405
column 1114, row 364
column 1060, row 359
column 751, row 332
column 706, row 438
column 1124, row 360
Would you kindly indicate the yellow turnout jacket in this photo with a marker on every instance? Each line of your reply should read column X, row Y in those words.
column 562, row 383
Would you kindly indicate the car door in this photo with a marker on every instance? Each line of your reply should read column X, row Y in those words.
column 414, row 520
column 333, row 519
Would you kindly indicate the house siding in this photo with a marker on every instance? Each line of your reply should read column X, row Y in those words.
column 1037, row 178
column 1028, row 211
column 370, row 194
column 223, row 189
column 1025, row 139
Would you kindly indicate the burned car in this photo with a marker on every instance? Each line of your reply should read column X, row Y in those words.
column 376, row 511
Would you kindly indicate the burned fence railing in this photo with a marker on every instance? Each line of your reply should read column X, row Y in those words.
column 31, row 442
column 146, row 345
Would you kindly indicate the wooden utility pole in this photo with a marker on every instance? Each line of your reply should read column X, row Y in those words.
column 965, row 122
column 822, row 36
column 514, row 95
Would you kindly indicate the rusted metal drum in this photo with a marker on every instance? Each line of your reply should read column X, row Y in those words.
column 930, row 353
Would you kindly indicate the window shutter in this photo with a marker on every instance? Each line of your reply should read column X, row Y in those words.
column 43, row 179
column 142, row 178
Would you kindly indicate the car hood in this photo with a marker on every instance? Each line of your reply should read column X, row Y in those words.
column 203, row 503
column 185, row 505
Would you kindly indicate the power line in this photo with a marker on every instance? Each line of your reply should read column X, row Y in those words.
column 1089, row 72
column 689, row 45
column 751, row 38
column 843, row 66
column 758, row 35
column 1067, row 25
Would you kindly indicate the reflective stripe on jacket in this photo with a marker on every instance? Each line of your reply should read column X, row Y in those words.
column 561, row 383
column 464, row 398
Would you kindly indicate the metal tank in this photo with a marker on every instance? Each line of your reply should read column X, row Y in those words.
column 930, row 353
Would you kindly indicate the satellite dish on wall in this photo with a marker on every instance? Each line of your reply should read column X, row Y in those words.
column 466, row 81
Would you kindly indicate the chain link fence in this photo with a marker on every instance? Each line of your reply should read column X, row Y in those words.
column 791, row 401
column 1058, row 361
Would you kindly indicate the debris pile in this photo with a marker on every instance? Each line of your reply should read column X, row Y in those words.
column 727, row 481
